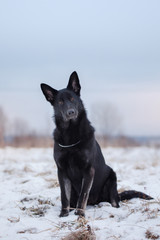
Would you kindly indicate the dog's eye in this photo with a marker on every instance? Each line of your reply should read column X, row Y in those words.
column 61, row 102
column 72, row 99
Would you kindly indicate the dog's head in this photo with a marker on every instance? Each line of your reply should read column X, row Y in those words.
column 66, row 102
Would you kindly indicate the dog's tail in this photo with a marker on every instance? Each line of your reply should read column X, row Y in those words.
column 126, row 195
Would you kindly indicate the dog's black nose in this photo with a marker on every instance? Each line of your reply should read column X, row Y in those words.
column 70, row 112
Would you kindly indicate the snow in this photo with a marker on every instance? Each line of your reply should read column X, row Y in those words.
column 30, row 197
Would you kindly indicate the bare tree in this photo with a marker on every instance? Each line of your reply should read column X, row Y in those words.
column 3, row 124
column 106, row 119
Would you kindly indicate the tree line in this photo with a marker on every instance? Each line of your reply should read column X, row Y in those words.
column 104, row 116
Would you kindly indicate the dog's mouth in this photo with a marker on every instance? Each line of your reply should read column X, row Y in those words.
column 71, row 117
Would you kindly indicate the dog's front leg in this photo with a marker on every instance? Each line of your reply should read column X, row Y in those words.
column 85, row 190
column 65, row 185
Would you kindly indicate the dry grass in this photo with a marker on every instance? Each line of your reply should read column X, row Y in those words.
column 14, row 219
column 35, row 211
column 86, row 233
column 52, row 183
column 151, row 213
column 39, row 208
column 29, row 230
column 150, row 235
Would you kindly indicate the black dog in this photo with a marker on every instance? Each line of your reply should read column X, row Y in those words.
column 83, row 175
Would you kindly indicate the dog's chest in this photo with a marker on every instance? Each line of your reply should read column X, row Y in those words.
column 74, row 165
column 74, row 171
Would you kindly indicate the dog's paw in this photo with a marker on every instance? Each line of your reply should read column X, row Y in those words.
column 80, row 212
column 115, row 204
column 64, row 213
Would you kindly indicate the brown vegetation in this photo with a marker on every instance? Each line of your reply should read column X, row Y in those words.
column 3, row 123
column 117, row 141
column 31, row 141
column 86, row 233
column 150, row 235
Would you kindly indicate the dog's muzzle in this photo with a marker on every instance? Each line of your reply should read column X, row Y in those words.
column 71, row 114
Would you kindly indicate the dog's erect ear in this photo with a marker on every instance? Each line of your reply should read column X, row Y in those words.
column 49, row 92
column 74, row 84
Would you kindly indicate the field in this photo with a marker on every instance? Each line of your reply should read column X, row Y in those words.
column 30, row 198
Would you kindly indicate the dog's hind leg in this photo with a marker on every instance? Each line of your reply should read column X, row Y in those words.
column 110, row 193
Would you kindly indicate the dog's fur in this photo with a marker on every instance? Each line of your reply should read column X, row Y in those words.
column 83, row 175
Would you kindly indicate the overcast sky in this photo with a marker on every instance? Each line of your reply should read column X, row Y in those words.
column 113, row 45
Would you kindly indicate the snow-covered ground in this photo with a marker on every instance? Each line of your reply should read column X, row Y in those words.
column 30, row 197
